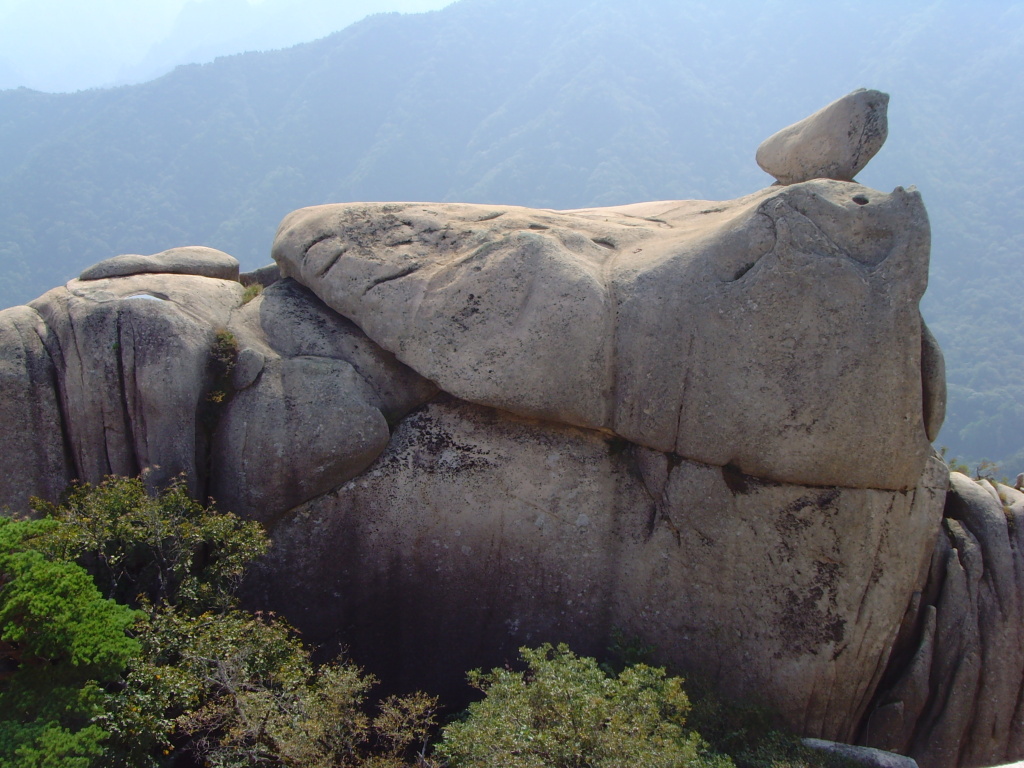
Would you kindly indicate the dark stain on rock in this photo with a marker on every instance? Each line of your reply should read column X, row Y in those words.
column 471, row 308
column 617, row 446
column 424, row 443
column 796, row 517
column 804, row 625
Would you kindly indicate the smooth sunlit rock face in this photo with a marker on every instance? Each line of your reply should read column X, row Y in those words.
column 778, row 332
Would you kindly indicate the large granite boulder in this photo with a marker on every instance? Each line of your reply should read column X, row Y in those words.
column 778, row 332
column 131, row 356
column 477, row 532
column 315, row 413
column 869, row 757
column 34, row 456
column 186, row 260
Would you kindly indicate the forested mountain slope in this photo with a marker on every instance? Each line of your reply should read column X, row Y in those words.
column 552, row 103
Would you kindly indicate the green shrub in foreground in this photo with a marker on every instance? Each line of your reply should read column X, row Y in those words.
column 61, row 642
column 87, row 682
column 162, row 549
column 566, row 712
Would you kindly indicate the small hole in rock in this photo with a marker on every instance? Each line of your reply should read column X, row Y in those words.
column 860, row 200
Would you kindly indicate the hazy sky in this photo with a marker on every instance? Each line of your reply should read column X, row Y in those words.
column 67, row 45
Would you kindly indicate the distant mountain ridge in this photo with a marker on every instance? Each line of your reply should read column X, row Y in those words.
column 563, row 104
column 62, row 48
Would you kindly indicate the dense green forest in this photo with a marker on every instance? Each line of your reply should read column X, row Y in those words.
column 560, row 103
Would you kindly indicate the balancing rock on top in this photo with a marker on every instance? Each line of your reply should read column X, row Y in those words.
column 836, row 142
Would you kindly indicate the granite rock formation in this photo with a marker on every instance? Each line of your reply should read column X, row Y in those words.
column 836, row 142
column 954, row 694
column 477, row 532
column 869, row 757
column 263, row 405
column 189, row 260
column 705, row 424
column 717, row 331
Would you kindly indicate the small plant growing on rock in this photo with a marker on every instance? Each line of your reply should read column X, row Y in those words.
column 986, row 470
column 251, row 292
column 223, row 356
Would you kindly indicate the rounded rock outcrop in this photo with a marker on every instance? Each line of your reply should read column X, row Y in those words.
column 264, row 404
column 954, row 691
column 704, row 424
column 187, row 260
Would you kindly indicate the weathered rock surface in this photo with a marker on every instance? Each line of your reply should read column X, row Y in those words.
column 34, row 453
column 933, row 377
column 131, row 356
column 187, row 260
column 836, row 142
column 265, row 276
column 249, row 364
column 306, row 426
column 297, row 324
column 778, row 332
column 476, row 532
column 954, row 693
column 170, row 374
column 314, row 415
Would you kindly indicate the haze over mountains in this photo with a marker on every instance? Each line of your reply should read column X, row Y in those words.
column 64, row 45
column 560, row 103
